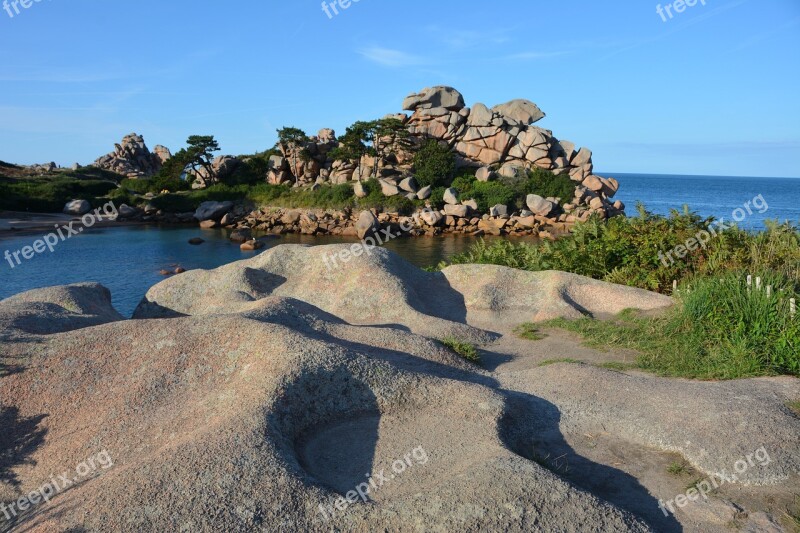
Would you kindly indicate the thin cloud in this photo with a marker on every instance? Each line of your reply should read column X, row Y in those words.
column 529, row 56
column 388, row 57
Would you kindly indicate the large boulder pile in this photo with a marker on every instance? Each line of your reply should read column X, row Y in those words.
column 307, row 163
column 502, row 141
column 132, row 158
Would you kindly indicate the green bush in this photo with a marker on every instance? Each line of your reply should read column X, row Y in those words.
column 138, row 186
column 434, row 164
column 546, row 184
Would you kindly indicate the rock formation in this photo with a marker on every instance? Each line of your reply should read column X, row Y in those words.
column 501, row 141
column 132, row 158
column 262, row 395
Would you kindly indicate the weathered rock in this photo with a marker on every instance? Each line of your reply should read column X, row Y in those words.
column 367, row 225
column 498, row 210
column 472, row 204
column 388, row 188
column 451, row 196
column 125, row 211
column 456, row 210
column 77, row 207
column 252, row 245
column 409, row 185
column 241, row 235
column 492, row 226
column 593, row 183
column 484, row 174
column 212, row 210
column 433, row 97
column 290, row 218
column 523, row 111
column 431, row 218
column 527, row 222
column 424, row 193
column 359, row 190
column 512, row 170
column 281, row 379
column 539, row 205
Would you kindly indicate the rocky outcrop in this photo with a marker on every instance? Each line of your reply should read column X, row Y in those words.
column 132, row 158
column 304, row 165
column 222, row 167
column 268, row 391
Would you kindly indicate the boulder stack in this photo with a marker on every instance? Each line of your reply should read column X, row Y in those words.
column 132, row 158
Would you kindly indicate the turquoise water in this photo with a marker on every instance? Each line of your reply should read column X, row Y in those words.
column 128, row 260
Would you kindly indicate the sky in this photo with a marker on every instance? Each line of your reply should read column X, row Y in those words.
column 711, row 90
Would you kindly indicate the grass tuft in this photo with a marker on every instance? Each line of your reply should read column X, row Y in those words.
column 465, row 349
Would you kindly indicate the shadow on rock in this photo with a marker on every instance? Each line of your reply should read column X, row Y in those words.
column 330, row 419
column 531, row 429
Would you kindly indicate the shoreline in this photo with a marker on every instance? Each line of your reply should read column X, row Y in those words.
column 14, row 223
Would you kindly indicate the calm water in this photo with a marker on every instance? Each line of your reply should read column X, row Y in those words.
column 712, row 196
column 127, row 260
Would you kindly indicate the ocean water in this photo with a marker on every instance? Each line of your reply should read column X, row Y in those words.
column 715, row 196
column 128, row 260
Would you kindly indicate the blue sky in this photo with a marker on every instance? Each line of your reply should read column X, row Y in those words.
column 714, row 90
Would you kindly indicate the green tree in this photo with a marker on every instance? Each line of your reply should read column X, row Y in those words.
column 357, row 142
column 389, row 134
column 434, row 164
column 200, row 154
column 293, row 140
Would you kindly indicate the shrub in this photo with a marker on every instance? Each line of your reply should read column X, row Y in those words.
column 546, row 184
column 491, row 193
column 434, row 164
column 138, row 186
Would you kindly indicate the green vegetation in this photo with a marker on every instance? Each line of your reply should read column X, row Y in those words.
column 267, row 195
column 794, row 406
column 678, row 468
column 529, row 331
column 514, row 192
column 49, row 193
column 719, row 329
column 626, row 251
column 464, row 349
column 434, row 165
